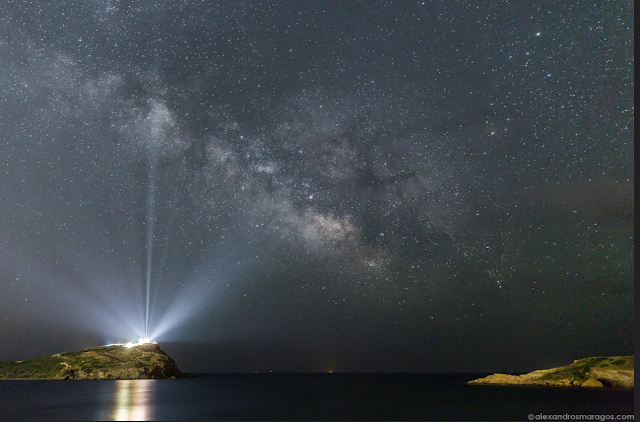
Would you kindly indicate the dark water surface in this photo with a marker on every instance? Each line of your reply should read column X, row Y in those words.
column 299, row 397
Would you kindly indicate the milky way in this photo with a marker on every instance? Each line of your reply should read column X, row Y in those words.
column 374, row 186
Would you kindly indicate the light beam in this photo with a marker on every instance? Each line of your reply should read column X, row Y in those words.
column 151, row 217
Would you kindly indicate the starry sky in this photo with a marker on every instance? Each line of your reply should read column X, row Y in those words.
column 441, row 186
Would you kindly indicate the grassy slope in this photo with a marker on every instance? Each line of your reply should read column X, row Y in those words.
column 581, row 369
column 614, row 371
column 89, row 361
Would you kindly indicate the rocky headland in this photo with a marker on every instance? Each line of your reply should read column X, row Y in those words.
column 615, row 371
column 115, row 362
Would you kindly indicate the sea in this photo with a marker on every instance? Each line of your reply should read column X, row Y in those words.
column 307, row 397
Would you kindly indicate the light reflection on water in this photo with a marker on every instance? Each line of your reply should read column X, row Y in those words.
column 132, row 400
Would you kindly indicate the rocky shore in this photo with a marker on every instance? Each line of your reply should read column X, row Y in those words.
column 116, row 362
column 595, row 372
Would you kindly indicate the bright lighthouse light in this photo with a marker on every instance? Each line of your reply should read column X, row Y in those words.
column 140, row 342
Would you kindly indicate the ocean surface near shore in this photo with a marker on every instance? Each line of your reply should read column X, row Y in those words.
column 303, row 397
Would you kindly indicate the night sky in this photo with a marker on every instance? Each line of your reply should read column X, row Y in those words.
column 318, row 186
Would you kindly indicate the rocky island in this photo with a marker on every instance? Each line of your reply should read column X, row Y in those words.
column 615, row 371
column 113, row 362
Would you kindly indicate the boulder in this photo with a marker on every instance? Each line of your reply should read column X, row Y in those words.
column 591, row 383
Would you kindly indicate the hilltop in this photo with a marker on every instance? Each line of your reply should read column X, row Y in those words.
column 142, row 361
column 614, row 371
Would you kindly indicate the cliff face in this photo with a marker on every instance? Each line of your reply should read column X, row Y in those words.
column 143, row 361
column 615, row 371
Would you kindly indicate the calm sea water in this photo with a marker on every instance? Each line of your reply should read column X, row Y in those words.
column 300, row 397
